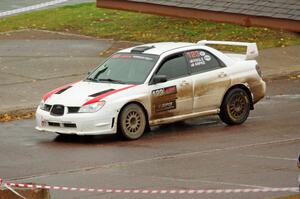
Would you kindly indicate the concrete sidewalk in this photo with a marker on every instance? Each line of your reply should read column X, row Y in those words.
column 35, row 62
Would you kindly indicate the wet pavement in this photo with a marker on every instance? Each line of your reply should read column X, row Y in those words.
column 196, row 154
column 35, row 62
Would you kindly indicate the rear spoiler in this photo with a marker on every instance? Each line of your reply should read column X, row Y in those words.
column 252, row 51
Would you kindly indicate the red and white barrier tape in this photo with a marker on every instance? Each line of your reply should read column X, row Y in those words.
column 151, row 191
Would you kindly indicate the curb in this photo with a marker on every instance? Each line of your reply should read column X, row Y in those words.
column 57, row 32
column 70, row 34
column 290, row 75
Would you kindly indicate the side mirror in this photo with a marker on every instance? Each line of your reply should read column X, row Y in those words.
column 159, row 79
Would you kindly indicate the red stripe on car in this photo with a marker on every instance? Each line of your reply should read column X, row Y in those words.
column 98, row 98
column 45, row 97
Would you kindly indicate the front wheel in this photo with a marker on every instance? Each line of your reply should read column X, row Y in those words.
column 235, row 107
column 132, row 122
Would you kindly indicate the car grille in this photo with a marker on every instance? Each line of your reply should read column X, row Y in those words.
column 70, row 125
column 54, row 111
column 66, row 125
column 57, row 110
column 53, row 124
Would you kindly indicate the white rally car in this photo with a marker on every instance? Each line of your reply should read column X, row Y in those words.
column 156, row 84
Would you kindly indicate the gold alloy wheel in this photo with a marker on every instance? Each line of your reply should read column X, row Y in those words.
column 133, row 122
column 237, row 106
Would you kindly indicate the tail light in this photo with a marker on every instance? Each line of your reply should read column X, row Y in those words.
column 257, row 67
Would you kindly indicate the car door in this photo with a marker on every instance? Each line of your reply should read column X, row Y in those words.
column 210, row 79
column 175, row 96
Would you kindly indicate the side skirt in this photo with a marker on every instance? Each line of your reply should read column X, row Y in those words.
column 182, row 117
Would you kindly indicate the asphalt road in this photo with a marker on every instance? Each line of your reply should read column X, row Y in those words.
column 6, row 5
column 34, row 62
column 198, row 154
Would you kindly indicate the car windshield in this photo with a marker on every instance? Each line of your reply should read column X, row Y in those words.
column 124, row 68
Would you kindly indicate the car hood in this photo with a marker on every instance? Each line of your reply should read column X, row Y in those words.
column 82, row 92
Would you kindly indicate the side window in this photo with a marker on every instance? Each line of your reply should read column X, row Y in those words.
column 202, row 61
column 174, row 67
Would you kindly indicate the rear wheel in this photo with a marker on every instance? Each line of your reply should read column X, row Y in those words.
column 235, row 107
column 132, row 122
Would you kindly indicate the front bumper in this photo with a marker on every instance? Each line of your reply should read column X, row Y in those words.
column 98, row 123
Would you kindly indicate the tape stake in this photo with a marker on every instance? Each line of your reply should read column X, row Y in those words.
column 13, row 191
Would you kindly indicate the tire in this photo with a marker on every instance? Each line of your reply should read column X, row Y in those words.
column 235, row 107
column 132, row 122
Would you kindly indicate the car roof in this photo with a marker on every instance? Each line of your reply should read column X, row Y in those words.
column 157, row 48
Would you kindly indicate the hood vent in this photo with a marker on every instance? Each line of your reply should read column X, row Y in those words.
column 101, row 93
column 141, row 49
column 63, row 90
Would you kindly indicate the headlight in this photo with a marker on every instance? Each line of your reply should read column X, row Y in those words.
column 92, row 108
column 42, row 105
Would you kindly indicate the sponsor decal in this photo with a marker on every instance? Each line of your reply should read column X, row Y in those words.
column 165, row 106
column 129, row 56
column 164, row 91
column 194, row 54
column 202, row 53
column 124, row 56
column 197, row 62
column 197, row 58
column 142, row 57
column 207, row 58
column 164, row 99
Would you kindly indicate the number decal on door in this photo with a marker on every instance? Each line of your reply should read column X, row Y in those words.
column 164, row 99
column 164, row 91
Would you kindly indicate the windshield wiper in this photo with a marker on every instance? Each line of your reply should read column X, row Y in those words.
column 112, row 80
column 98, row 73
